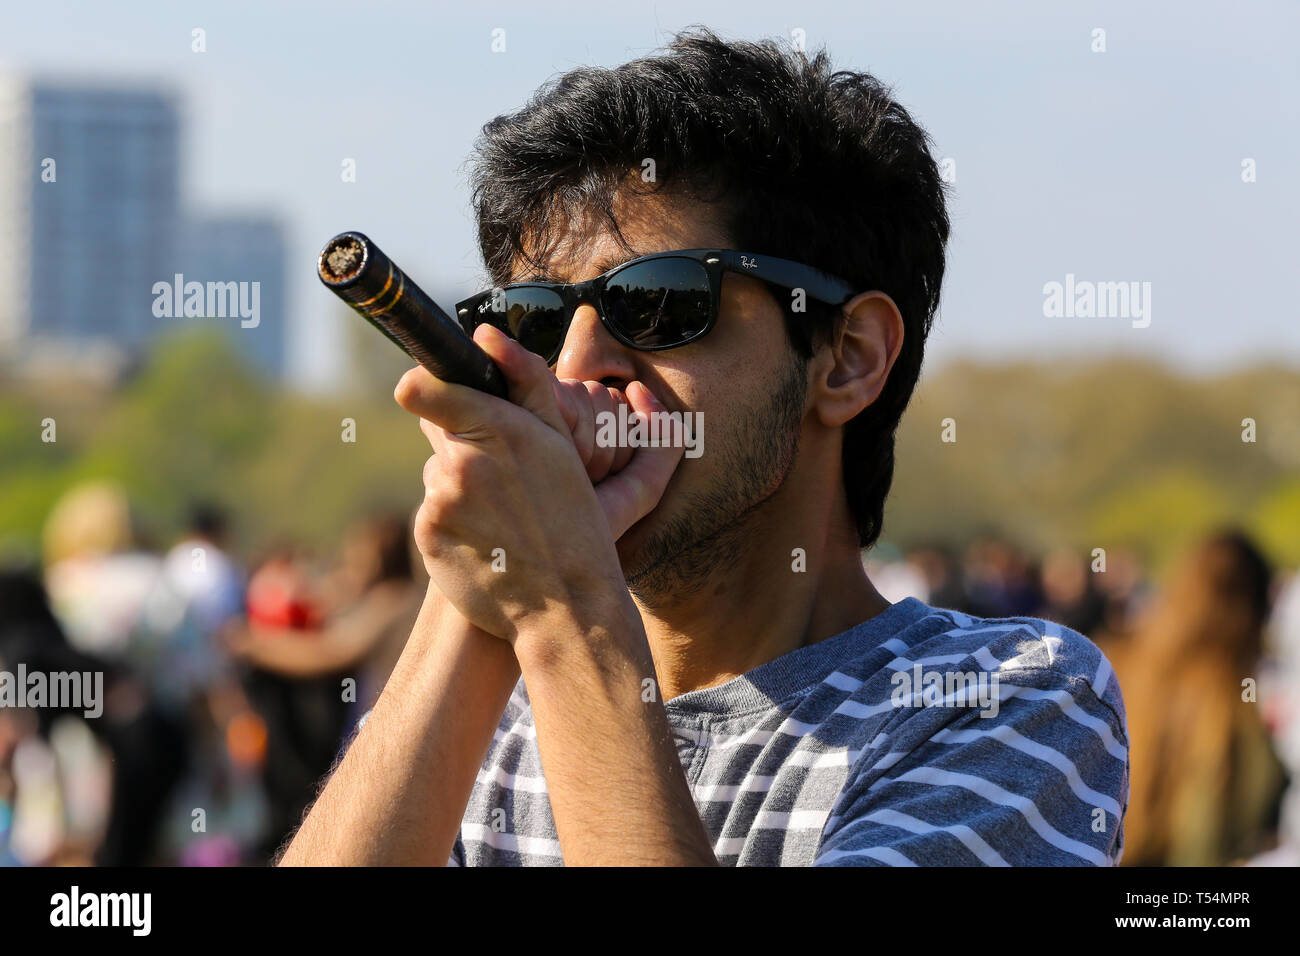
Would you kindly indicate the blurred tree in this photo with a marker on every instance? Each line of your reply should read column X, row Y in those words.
column 1160, row 514
column 1084, row 454
column 1275, row 523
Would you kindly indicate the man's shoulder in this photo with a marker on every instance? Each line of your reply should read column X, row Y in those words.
column 1003, row 741
column 1030, row 647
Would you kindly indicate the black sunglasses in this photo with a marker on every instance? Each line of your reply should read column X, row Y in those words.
column 654, row 302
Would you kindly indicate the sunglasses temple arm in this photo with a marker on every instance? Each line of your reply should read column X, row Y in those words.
column 790, row 275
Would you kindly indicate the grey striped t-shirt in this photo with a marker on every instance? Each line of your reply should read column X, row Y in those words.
column 921, row 737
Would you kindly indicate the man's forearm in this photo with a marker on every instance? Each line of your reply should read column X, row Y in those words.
column 616, row 785
column 399, row 793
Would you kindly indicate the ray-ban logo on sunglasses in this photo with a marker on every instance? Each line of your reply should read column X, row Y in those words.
column 627, row 429
column 748, row 263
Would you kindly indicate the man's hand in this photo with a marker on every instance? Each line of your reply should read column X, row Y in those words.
column 511, row 524
column 581, row 403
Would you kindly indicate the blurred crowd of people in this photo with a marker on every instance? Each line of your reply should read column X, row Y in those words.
column 229, row 691
column 226, row 694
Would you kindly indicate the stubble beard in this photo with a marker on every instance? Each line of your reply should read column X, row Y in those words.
column 711, row 527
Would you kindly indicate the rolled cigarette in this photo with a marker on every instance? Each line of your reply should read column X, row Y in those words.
column 358, row 272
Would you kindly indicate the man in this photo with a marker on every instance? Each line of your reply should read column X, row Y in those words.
column 202, row 575
column 638, row 657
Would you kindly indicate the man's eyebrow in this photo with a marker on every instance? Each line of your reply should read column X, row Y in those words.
column 602, row 266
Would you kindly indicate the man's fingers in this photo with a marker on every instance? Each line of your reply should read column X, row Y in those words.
column 575, row 405
column 457, row 409
column 530, row 380
column 630, row 495
column 466, row 412
column 564, row 399
column 602, row 456
column 623, row 453
column 634, row 492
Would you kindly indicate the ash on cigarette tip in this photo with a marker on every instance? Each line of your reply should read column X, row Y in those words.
column 344, row 258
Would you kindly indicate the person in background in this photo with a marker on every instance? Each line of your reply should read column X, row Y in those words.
column 203, row 593
column 375, row 600
column 101, row 585
column 1124, row 590
column 54, row 799
column 105, row 592
column 1000, row 580
column 1206, row 782
column 1280, row 697
column 305, row 643
column 199, row 569
column 1070, row 593
column 939, row 567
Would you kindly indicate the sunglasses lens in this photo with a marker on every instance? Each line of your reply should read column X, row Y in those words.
column 532, row 317
column 659, row 303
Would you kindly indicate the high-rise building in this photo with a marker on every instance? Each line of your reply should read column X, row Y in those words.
column 93, row 186
column 91, row 221
column 17, row 174
column 242, row 250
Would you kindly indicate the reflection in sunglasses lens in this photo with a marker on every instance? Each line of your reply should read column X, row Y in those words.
column 659, row 303
column 532, row 317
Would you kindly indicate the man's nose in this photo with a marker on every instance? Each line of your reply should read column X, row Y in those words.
column 590, row 353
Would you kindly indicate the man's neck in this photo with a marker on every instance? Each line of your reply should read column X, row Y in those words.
column 772, row 599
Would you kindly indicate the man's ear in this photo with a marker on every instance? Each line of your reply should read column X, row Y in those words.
column 848, row 372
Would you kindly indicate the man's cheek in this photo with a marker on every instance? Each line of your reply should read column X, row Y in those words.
column 692, row 479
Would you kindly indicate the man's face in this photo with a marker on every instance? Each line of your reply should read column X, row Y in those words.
column 743, row 377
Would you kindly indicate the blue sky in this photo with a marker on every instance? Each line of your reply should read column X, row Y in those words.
column 1115, row 166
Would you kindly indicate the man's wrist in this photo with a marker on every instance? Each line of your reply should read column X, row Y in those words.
column 600, row 627
column 440, row 624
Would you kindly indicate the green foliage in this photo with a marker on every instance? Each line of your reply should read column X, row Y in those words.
column 1275, row 522
column 196, row 424
column 1160, row 515
column 1096, row 454
column 1109, row 454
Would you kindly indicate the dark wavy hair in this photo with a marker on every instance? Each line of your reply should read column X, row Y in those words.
column 799, row 161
